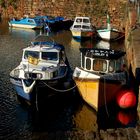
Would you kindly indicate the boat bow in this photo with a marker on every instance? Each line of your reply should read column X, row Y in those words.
column 28, row 89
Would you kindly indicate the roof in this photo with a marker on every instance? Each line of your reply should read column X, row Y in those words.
column 43, row 48
column 102, row 53
column 82, row 17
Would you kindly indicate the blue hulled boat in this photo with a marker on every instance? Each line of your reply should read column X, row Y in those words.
column 30, row 23
column 55, row 23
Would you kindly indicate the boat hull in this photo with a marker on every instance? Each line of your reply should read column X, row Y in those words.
column 97, row 91
column 104, row 34
column 88, row 90
column 40, row 86
column 110, row 35
column 25, row 26
column 17, row 83
column 82, row 34
column 60, row 25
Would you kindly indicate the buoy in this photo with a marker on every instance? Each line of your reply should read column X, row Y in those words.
column 126, row 99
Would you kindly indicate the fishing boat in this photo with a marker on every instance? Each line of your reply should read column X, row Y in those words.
column 30, row 23
column 82, row 28
column 52, row 24
column 110, row 34
column 101, row 76
column 43, row 65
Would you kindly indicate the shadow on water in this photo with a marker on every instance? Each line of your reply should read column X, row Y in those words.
column 55, row 113
column 68, row 112
column 62, row 113
column 113, row 117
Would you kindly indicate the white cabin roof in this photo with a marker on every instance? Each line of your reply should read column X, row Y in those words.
column 41, row 48
column 82, row 18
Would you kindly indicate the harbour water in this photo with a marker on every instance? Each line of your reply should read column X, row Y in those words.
column 64, row 116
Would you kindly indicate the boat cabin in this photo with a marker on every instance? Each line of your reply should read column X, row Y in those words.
column 42, row 54
column 26, row 21
column 102, row 60
column 82, row 23
column 44, row 50
column 42, row 62
column 82, row 20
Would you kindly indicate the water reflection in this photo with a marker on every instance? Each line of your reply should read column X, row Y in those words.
column 75, row 43
column 114, row 117
column 55, row 113
column 127, row 118
column 86, row 118
column 22, row 32
column 103, row 45
column 85, row 44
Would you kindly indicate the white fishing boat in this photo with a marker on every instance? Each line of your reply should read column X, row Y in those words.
column 43, row 65
column 82, row 28
column 109, row 34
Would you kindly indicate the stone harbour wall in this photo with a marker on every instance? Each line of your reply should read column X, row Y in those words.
column 96, row 9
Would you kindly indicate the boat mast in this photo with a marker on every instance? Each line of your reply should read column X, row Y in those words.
column 108, row 22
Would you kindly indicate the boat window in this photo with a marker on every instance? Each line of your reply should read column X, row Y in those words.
column 38, row 20
column 78, row 20
column 99, row 65
column 111, row 67
column 83, row 58
column 31, row 21
column 33, row 54
column 50, row 18
column 119, row 64
column 89, row 54
column 88, row 64
column 85, row 27
column 50, row 56
column 77, row 26
column 86, row 20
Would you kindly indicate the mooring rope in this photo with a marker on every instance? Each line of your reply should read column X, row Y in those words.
column 118, row 38
column 59, row 90
column 36, row 100
column 69, row 89
column 106, row 108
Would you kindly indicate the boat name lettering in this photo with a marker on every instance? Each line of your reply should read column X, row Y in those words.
column 102, row 52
